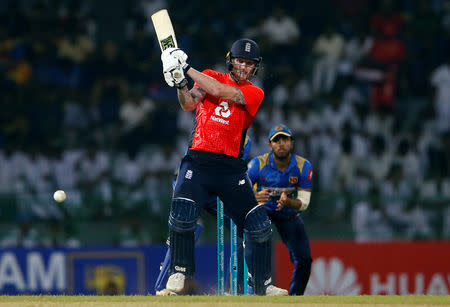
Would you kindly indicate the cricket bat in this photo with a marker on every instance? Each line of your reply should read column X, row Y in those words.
column 164, row 30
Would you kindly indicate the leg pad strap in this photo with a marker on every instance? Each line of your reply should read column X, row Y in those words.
column 183, row 215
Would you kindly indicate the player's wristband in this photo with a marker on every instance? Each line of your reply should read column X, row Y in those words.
column 182, row 84
column 186, row 67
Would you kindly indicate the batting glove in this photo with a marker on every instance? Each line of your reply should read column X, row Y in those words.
column 169, row 56
column 174, row 60
column 175, row 77
column 180, row 55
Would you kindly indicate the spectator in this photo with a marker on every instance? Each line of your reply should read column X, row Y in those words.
column 356, row 48
column 446, row 221
column 110, row 87
column 424, row 24
column 382, row 65
column 75, row 47
column 387, row 21
column 280, row 29
column 424, row 43
column 379, row 121
column 346, row 168
column 407, row 157
column 395, row 191
column 305, row 123
column 335, row 114
column 302, row 89
column 379, row 161
column 344, row 183
column 47, row 70
column 282, row 34
column 387, row 53
column 420, row 220
column 369, row 219
column 8, row 173
column 76, row 118
column 282, row 94
column 135, row 109
column 94, row 179
column 440, row 80
column 328, row 49
column 159, row 174
column 142, row 58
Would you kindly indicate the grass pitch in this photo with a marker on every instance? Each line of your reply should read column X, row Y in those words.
column 221, row 301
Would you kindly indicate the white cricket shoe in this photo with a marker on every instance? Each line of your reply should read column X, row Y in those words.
column 271, row 290
column 165, row 292
column 175, row 283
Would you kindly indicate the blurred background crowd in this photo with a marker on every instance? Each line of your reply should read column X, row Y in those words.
column 364, row 85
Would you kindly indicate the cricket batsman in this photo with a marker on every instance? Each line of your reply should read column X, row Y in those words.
column 225, row 105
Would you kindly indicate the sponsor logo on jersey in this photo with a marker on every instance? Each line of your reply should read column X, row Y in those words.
column 220, row 120
column 222, row 111
column 188, row 174
column 310, row 174
column 293, row 179
column 241, row 182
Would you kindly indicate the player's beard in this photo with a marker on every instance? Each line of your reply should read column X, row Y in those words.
column 282, row 157
column 240, row 75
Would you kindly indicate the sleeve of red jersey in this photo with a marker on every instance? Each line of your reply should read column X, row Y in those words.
column 207, row 72
column 253, row 96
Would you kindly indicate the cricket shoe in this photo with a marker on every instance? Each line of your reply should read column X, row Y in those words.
column 165, row 292
column 271, row 290
column 175, row 283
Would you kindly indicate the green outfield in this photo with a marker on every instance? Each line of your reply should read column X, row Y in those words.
column 261, row 301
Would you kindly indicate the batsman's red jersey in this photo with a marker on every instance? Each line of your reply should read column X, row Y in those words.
column 220, row 124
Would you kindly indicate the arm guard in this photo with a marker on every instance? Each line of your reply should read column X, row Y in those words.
column 304, row 197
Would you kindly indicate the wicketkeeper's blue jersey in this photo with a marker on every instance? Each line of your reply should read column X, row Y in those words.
column 264, row 174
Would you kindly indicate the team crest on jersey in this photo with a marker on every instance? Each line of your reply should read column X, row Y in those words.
column 293, row 179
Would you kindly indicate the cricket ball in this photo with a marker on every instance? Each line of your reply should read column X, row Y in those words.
column 59, row 196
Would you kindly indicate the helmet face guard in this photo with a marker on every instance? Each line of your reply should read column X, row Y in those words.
column 246, row 49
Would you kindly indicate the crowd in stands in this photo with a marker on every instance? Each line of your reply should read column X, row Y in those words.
column 364, row 85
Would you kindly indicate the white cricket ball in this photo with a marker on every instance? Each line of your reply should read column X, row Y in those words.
column 59, row 196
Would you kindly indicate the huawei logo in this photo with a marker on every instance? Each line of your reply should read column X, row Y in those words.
column 222, row 110
column 332, row 278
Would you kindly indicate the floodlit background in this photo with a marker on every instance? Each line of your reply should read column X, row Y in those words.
column 364, row 85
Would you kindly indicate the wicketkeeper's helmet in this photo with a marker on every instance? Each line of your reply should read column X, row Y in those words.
column 246, row 49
